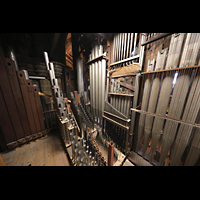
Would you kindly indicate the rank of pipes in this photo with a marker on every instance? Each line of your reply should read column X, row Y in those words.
column 120, row 98
column 57, row 93
column 93, row 147
column 97, row 73
column 172, row 93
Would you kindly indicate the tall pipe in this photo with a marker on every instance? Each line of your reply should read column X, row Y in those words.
column 135, row 100
column 161, row 109
column 144, row 105
column 93, row 83
column 175, row 111
column 174, row 53
column 151, row 108
column 103, row 83
column 96, row 79
column 79, row 65
column 190, row 50
column 110, row 153
column 101, row 86
column 190, row 115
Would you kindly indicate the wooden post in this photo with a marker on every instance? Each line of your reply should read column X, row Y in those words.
column 1, row 161
column 110, row 153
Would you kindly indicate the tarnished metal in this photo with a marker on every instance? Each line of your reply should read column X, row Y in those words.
column 80, row 75
column 110, row 154
column 58, row 95
column 97, row 81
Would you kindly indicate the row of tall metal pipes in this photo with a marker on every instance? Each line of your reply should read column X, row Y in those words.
column 97, row 73
column 182, row 105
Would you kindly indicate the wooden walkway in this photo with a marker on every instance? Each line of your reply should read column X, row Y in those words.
column 46, row 151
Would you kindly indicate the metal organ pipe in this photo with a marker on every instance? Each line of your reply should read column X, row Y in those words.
column 161, row 109
column 96, row 78
column 151, row 108
column 175, row 111
column 80, row 75
column 144, row 105
column 135, row 100
column 190, row 114
column 93, row 84
column 97, row 81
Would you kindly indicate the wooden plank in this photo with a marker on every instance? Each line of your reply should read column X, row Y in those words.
column 125, row 60
column 9, row 101
column 5, row 122
column 40, row 157
column 1, row 161
column 95, row 59
column 16, row 157
column 57, row 149
column 21, row 156
column 127, row 120
column 167, row 118
column 173, row 69
column 8, row 157
column 31, row 160
column 25, row 95
column 39, row 107
column 33, row 105
column 116, row 123
column 119, row 94
column 49, row 160
column 26, row 154
column 11, row 71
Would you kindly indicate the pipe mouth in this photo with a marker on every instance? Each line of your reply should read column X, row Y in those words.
column 111, row 143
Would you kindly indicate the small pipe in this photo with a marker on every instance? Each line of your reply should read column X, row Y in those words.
column 110, row 153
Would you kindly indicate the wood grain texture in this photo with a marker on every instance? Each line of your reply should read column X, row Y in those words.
column 46, row 151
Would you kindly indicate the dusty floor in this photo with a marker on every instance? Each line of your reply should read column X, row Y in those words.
column 46, row 151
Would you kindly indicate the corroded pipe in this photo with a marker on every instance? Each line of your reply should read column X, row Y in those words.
column 110, row 153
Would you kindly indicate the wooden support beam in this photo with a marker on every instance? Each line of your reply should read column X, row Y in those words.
column 167, row 118
column 119, row 94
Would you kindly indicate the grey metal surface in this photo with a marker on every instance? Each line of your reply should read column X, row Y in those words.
column 175, row 48
column 97, row 81
column 79, row 68
column 190, row 114
column 144, row 105
column 191, row 49
column 161, row 59
column 135, row 100
column 175, row 111
column 161, row 109
column 151, row 108
column 56, row 89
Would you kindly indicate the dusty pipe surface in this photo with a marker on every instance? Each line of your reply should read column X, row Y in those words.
column 175, row 111
column 190, row 114
column 151, row 108
column 79, row 66
column 144, row 105
column 110, row 153
column 135, row 100
column 161, row 109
